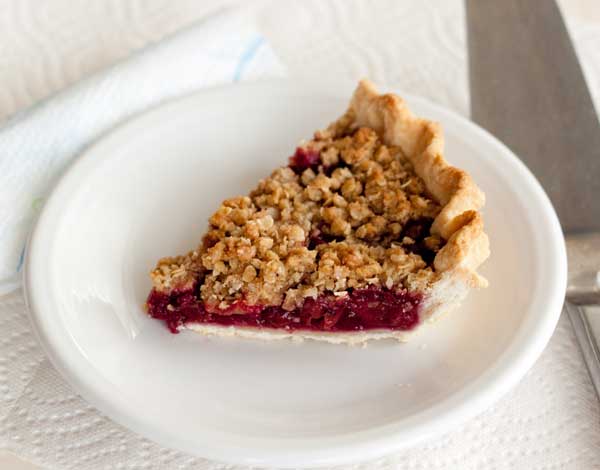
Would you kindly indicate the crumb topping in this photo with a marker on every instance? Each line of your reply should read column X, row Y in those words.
column 348, row 213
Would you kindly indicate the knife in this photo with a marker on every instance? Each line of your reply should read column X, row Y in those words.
column 527, row 88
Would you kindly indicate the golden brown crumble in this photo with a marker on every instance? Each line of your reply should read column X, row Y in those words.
column 349, row 223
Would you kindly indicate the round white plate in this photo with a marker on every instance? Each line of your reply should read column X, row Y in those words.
column 146, row 191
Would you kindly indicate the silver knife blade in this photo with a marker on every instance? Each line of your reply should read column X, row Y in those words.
column 528, row 89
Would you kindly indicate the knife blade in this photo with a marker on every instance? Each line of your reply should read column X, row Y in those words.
column 528, row 89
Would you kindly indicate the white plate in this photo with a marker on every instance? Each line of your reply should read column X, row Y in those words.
column 146, row 191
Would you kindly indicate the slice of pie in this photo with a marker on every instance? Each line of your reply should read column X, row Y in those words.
column 367, row 233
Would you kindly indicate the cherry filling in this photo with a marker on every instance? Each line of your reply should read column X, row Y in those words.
column 363, row 309
column 303, row 159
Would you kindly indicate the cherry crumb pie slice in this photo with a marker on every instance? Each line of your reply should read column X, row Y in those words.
column 368, row 233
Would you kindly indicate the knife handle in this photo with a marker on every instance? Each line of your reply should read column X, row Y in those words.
column 586, row 323
column 583, row 253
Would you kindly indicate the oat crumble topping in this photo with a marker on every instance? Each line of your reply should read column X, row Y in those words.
column 357, row 217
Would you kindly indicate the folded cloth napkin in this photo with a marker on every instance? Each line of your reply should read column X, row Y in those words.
column 37, row 145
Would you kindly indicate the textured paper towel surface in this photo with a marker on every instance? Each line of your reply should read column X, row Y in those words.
column 551, row 420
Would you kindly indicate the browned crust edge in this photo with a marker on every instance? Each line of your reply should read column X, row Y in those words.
column 459, row 222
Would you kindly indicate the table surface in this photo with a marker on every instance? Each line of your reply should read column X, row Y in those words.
column 78, row 38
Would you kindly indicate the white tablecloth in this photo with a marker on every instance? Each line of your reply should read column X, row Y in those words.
column 550, row 420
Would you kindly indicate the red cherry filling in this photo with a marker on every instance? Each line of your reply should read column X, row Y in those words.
column 363, row 309
column 303, row 159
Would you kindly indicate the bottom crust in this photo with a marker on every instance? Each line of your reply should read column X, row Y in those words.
column 350, row 337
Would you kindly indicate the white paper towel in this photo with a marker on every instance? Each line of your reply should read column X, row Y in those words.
column 551, row 420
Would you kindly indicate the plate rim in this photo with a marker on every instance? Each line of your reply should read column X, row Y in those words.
column 483, row 391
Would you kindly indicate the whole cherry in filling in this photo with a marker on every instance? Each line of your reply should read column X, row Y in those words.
column 361, row 309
